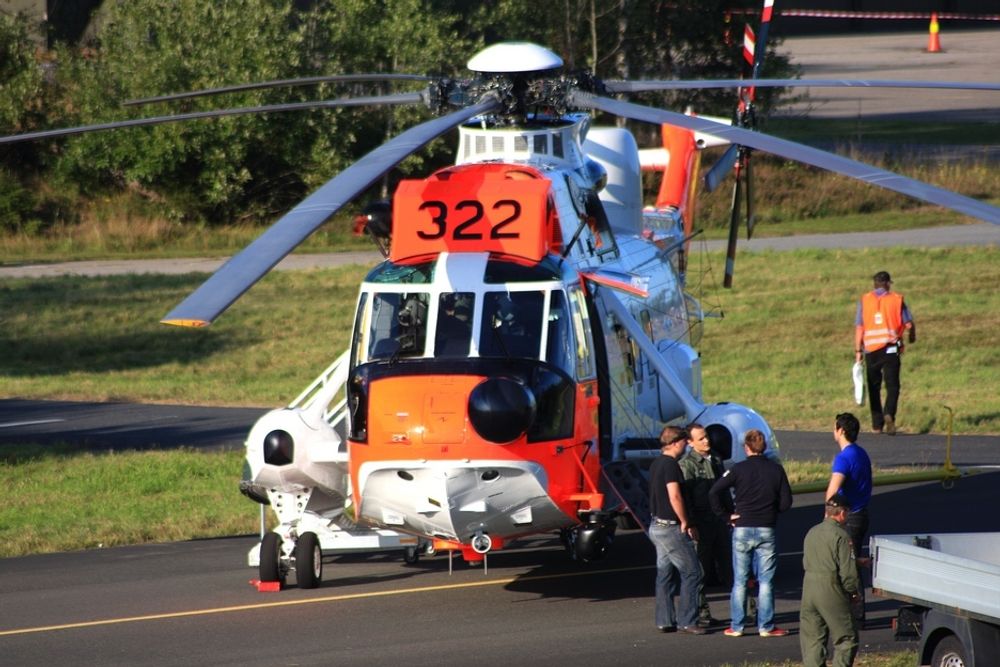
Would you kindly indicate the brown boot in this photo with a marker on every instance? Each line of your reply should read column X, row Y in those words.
column 889, row 428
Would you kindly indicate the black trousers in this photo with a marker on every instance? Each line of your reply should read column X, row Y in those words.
column 879, row 366
column 857, row 529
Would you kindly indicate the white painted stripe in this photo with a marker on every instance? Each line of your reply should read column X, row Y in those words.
column 32, row 423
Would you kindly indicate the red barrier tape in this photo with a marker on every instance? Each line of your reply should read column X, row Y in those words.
column 836, row 14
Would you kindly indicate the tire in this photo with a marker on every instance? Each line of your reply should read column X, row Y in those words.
column 308, row 561
column 949, row 653
column 411, row 556
column 270, row 559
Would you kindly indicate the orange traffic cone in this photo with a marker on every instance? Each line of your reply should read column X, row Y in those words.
column 934, row 42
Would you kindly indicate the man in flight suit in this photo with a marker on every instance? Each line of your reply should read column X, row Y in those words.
column 878, row 334
column 831, row 583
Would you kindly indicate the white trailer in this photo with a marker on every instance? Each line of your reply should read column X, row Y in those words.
column 951, row 582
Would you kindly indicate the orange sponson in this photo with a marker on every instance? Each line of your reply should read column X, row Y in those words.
column 425, row 418
column 680, row 145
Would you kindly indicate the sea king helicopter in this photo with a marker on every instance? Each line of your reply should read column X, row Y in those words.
column 516, row 354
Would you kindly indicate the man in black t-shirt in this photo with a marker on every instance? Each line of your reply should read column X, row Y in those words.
column 673, row 537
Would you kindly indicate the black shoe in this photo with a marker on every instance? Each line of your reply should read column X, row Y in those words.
column 707, row 622
column 692, row 630
column 667, row 628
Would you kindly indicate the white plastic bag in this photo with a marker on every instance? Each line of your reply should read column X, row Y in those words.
column 858, row 373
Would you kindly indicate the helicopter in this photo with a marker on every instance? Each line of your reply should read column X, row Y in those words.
column 516, row 354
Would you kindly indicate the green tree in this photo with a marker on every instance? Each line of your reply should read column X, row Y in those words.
column 224, row 165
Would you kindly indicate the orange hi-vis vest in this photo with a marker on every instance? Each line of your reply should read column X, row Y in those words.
column 882, row 318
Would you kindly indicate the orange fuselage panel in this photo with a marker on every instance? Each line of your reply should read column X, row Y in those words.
column 425, row 418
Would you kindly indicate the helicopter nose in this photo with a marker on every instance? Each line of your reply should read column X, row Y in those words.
column 501, row 409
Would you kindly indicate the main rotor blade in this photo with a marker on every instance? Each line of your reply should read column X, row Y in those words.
column 693, row 84
column 400, row 98
column 240, row 273
column 793, row 151
column 278, row 83
column 722, row 167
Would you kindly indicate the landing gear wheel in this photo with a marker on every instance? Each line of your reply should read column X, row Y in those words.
column 949, row 653
column 411, row 555
column 270, row 559
column 308, row 561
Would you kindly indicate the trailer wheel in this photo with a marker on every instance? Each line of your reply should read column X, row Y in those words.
column 270, row 559
column 949, row 653
column 411, row 556
column 308, row 561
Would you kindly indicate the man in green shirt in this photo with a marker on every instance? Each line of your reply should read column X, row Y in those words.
column 701, row 467
column 831, row 583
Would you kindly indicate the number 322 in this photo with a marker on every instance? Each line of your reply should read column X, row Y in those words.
column 473, row 211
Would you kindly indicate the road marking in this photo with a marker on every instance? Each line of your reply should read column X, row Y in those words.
column 32, row 423
column 290, row 603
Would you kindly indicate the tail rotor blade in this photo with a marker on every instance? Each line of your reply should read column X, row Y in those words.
column 721, row 169
column 734, row 228
column 241, row 272
column 748, row 175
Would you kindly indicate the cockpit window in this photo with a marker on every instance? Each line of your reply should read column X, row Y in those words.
column 559, row 339
column 511, row 324
column 454, row 324
column 398, row 325
column 499, row 271
column 387, row 272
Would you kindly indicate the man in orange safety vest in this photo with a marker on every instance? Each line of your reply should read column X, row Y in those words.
column 882, row 317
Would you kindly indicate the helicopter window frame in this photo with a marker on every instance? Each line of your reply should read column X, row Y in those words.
column 558, row 343
column 360, row 330
column 585, row 367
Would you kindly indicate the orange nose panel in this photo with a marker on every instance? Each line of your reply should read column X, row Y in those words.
column 425, row 410
column 444, row 418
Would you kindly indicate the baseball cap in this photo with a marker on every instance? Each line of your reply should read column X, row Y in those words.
column 882, row 277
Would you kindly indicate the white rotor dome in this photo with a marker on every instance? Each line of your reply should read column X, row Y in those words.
column 514, row 57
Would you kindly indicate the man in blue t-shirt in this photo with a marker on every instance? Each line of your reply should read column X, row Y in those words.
column 851, row 477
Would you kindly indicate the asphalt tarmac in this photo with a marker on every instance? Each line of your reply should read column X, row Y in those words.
column 191, row 603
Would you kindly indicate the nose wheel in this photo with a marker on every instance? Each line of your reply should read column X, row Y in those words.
column 271, row 568
column 308, row 561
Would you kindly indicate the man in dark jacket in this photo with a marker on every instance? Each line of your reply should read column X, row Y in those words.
column 760, row 491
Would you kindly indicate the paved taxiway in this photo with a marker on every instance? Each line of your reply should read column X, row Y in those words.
column 190, row 603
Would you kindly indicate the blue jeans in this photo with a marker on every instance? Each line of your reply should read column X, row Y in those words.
column 753, row 548
column 676, row 557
